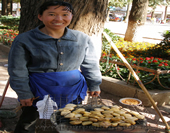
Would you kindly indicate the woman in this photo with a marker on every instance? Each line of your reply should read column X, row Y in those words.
column 46, row 61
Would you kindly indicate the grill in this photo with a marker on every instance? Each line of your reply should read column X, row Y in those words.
column 60, row 123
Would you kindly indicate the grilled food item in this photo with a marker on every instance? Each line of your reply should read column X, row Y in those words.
column 74, row 119
column 114, row 124
column 101, row 117
column 93, row 116
column 68, row 108
column 86, row 114
column 131, row 121
column 105, row 107
column 70, row 115
column 117, row 118
column 121, row 112
column 85, row 123
column 78, row 115
column 96, row 124
column 115, row 114
column 108, row 115
column 126, row 115
column 75, row 122
column 65, row 112
column 107, row 112
column 124, row 124
column 96, row 112
column 139, row 116
column 71, row 105
column 84, row 118
column 105, row 124
column 93, row 119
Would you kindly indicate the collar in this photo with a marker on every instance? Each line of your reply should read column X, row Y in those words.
column 69, row 35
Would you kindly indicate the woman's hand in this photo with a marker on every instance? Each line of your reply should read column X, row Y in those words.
column 94, row 93
column 26, row 102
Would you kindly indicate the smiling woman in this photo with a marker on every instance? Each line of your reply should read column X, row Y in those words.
column 49, row 58
column 55, row 19
column 89, row 17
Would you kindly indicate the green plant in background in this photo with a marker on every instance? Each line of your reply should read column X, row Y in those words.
column 9, row 22
column 161, row 50
column 136, row 54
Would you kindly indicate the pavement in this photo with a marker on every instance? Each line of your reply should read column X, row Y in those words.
column 150, row 32
column 10, row 100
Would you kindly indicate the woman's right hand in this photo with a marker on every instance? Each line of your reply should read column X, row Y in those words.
column 26, row 102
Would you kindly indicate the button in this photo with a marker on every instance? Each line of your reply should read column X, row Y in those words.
column 61, row 53
column 58, row 40
column 61, row 64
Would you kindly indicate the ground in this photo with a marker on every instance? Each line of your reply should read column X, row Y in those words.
column 154, row 124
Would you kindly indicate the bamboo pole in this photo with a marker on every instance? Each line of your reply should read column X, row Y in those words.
column 137, row 80
column 4, row 93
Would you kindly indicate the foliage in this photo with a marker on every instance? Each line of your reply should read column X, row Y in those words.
column 15, row 1
column 130, row 52
column 119, row 3
column 161, row 50
column 129, row 49
column 155, row 3
column 10, row 22
column 139, row 49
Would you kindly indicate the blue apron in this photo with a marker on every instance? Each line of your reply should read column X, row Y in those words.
column 63, row 87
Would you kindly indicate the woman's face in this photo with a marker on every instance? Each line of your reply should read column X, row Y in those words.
column 56, row 17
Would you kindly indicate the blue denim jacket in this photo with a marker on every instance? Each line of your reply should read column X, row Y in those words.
column 34, row 51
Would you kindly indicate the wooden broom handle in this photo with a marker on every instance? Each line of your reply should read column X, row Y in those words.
column 137, row 79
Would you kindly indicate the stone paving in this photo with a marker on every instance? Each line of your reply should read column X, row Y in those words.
column 10, row 100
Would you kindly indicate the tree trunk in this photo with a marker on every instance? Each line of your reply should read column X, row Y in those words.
column 152, row 14
column 89, row 17
column 136, row 21
column 9, row 7
column 165, row 15
column 108, row 12
column 127, row 12
column 3, row 7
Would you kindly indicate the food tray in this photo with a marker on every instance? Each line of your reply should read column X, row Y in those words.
column 62, row 123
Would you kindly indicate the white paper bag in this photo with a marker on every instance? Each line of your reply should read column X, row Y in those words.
column 46, row 107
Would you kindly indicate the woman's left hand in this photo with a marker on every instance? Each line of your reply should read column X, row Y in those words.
column 94, row 93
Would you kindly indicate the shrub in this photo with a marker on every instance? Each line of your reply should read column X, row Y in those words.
column 10, row 22
column 136, row 54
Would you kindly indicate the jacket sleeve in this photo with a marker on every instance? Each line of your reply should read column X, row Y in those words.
column 17, row 68
column 90, row 68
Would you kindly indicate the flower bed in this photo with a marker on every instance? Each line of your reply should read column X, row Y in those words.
column 7, row 36
column 109, row 58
